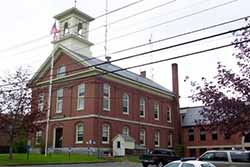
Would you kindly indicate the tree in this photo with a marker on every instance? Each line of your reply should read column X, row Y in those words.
column 227, row 98
column 16, row 116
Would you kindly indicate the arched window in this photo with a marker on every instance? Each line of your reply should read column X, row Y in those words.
column 79, row 29
column 125, row 103
column 125, row 131
column 105, row 133
column 79, row 133
column 66, row 28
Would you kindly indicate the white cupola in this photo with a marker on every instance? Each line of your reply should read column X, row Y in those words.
column 74, row 30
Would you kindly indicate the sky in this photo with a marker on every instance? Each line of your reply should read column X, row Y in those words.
column 25, row 34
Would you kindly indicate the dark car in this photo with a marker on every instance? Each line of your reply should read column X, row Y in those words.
column 227, row 158
column 158, row 157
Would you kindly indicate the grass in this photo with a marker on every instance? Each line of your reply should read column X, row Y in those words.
column 21, row 159
column 130, row 158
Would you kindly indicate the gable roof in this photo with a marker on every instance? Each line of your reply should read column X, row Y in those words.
column 125, row 137
column 102, row 65
column 190, row 115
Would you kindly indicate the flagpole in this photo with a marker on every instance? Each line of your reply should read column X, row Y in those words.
column 50, row 93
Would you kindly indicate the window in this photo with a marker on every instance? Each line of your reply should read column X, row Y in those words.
column 105, row 134
column 214, row 135
column 170, row 140
column 59, row 100
column 202, row 134
column 79, row 133
column 187, row 165
column 65, row 28
column 106, row 97
column 142, row 137
column 125, row 131
column 157, row 139
column 169, row 118
column 173, row 164
column 240, row 156
column 61, row 71
column 202, row 150
column 220, row 156
column 79, row 29
column 38, row 137
column 40, row 102
column 190, row 134
column 125, row 104
column 207, row 157
column 156, row 111
column 227, row 136
column 118, row 144
column 80, row 99
column 192, row 152
column 142, row 107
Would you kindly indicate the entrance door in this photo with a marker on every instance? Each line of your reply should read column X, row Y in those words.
column 58, row 137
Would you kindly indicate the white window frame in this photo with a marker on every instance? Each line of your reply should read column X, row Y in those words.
column 105, row 133
column 106, row 97
column 170, row 140
column 61, row 71
column 142, row 107
column 125, row 99
column 157, row 110
column 142, row 136
column 79, row 132
column 169, row 114
column 157, row 138
column 59, row 101
column 80, row 97
column 125, row 131
column 40, row 104
column 38, row 139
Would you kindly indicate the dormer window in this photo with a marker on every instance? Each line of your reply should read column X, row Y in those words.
column 66, row 28
column 61, row 71
column 79, row 29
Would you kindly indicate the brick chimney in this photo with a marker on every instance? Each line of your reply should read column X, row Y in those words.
column 175, row 85
column 175, row 81
column 143, row 74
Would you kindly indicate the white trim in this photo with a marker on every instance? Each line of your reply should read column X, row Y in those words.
column 143, row 100
column 144, row 137
column 80, row 97
column 169, row 112
column 106, row 97
column 108, row 126
column 111, row 118
column 77, row 130
column 125, row 97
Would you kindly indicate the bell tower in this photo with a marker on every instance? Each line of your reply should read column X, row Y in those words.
column 74, row 31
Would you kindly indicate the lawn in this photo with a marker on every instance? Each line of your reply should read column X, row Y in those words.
column 21, row 159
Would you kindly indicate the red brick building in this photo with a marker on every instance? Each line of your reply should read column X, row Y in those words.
column 91, row 104
column 197, row 140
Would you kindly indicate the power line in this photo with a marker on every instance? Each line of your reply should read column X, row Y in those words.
column 46, row 36
column 172, row 46
column 163, row 48
column 172, row 37
column 155, row 62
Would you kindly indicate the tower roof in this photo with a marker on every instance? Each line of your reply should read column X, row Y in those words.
column 73, row 10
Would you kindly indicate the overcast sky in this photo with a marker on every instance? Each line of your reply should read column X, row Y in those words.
column 30, row 20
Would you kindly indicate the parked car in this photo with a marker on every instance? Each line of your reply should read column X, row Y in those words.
column 190, row 163
column 158, row 157
column 227, row 158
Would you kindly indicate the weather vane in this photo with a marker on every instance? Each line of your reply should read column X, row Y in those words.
column 75, row 3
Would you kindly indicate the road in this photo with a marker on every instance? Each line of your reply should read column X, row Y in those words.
column 114, row 164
